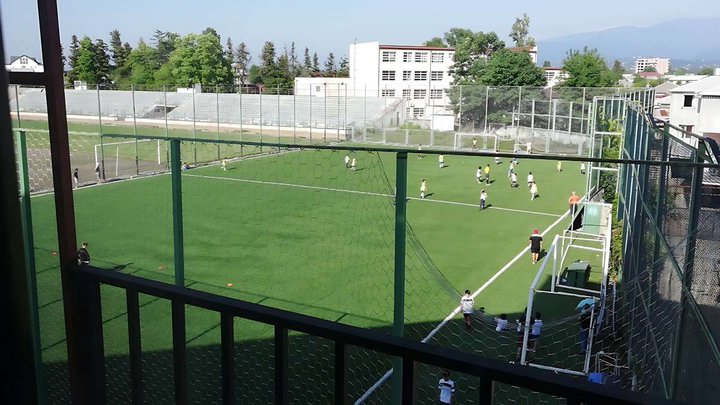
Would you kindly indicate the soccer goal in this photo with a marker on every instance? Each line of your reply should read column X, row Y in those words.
column 483, row 141
column 573, row 282
column 113, row 153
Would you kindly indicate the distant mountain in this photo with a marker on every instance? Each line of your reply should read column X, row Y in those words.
column 689, row 40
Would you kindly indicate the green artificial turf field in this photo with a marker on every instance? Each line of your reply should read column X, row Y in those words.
column 301, row 232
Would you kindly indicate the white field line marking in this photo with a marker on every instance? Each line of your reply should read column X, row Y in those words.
column 456, row 311
column 341, row 190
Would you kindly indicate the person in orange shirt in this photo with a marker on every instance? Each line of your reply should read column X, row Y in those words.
column 573, row 200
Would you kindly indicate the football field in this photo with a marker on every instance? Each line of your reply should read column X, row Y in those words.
column 299, row 231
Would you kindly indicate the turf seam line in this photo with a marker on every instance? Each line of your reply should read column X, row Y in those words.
column 370, row 193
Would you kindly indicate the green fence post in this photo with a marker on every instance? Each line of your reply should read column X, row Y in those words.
column 399, row 296
column 26, row 212
column 177, row 212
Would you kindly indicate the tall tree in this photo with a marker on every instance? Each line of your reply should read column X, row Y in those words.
column 436, row 42
column 307, row 62
column 85, row 68
column 707, row 71
column 71, row 75
column 587, row 69
column 547, row 64
column 165, row 43
column 200, row 59
column 650, row 69
column 315, row 70
column 242, row 62
column 330, row 68
column 102, row 62
column 143, row 62
column 230, row 51
column 116, row 48
column 520, row 32
column 293, row 60
column 344, row 70
column 509, row 68
column 210, row 31
column 472, row 53
column 455, row 36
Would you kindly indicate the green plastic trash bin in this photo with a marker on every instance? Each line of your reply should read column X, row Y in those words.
column 576, row 275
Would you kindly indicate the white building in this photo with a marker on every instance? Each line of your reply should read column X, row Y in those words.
column 695, row 107
column 661, row 65
column 684, row 79
column 554, row 76
column 24, row 63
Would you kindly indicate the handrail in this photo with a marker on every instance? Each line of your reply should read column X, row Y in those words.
column 411, row 351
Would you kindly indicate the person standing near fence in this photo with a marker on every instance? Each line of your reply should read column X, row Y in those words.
column 582, row 167
column 447, row 388
column 479, row 175
column 584, row 321
column 347, row 161
column 483, row 199
column 441, row 160
column 467, row 305
column 423, row 188
column 97, row 172
column 353, row 164
column 83, row 256
column 487, row 174
column 573, row 201
column 535, row 246
column 533, row 191
column 76, row 178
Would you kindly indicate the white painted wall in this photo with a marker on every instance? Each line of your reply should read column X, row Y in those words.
column 24, row 63
column 709, row 120
column 680, row 115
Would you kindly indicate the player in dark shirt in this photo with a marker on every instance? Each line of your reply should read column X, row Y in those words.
column 584, row 320
column 535, row 246
column 83, row 256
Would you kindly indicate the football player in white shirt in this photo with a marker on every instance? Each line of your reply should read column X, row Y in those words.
column 513, row 180
column 483, row 199
column 423, row 188
column 347, row 161
column 353, row 164
column 479, row 175
column 447, row 388
column 467, row 305
column 531, row 179
column 502, row 323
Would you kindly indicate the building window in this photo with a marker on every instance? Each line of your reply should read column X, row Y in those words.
column 420, row 75
column 408, row 112
column 388, row 56
column 23, row 61
column 407, row 74
column 451, row 56
column 436, row 75
column 406, row 94
column 407, row 56
column 418, row 112
column 686, row 128
column 438, row 57
column 388, row 75
column 436, row 94
column 388, row 93
column 420, row 56
column 419, row 94
column 687, row 102
column 317, row 89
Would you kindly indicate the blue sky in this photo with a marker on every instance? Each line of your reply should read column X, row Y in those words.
column 326, row 26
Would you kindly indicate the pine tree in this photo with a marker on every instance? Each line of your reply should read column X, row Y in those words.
column 230, row 51
column 71, row 75
column 330, row 69
column 315, row 65
column 242, row 61
column 102, row 62
column 344, row 70
column 307, row 62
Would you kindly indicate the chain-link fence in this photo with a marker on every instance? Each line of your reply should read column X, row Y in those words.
column 670, row 264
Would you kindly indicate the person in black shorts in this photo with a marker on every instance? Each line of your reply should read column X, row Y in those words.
column 83, row 256
column 535, row 246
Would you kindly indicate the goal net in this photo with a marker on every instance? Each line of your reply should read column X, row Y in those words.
column 475, row 141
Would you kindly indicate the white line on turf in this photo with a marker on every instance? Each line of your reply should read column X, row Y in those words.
column 456, row 311
column 340, row 190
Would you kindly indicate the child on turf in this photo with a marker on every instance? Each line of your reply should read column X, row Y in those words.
column 223, row 163
column 513, row 180
column 420, row 155
column 347, row 161
column 466, row 305
column 441, row 161
column 533, row 191
column 483, row 198
column 423, row 188
column 559, row 166
column 502, row 323
column 353, row 164
column 582, row 167
column 479, row 175
column 531, row 179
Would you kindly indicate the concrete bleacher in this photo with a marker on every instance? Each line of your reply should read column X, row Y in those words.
column 234, row 108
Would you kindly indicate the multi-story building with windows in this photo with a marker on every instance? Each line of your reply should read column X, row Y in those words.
column 661, row 65
column 419, row 74
column 24, row 63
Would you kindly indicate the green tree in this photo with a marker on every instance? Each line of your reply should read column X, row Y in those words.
column 119, row 54
column 315, row 70
column 520, row 32
column 471, row 55
column 547, row 63
column 649, row 68
column 230, row 51
column 307, row 62
column 455, row 36
column 344, row 70
column 508, row 68
column 71, row 75
column 200, row 59
column 85, row 68
column 242, row 61
column 330, row 68
column 587, row 69
column 680, row 71
column 707, row 71
column 102, row 62
column 143, row 62
column 165, row 43
column 436, row 42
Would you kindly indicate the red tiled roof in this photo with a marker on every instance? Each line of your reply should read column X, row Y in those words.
column 415, row 48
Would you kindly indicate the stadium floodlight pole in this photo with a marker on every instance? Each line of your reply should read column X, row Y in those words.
column 97, row 89
column 179, row 254
column 137, row 161
column 399, row 290
column 278, row 113
column 325, row 112
column 310, row 124
column 337, row 118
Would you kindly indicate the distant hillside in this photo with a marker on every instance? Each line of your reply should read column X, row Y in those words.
column 689, row 40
